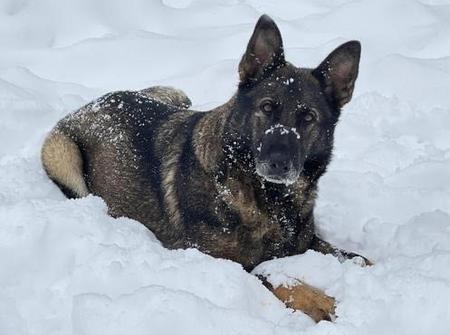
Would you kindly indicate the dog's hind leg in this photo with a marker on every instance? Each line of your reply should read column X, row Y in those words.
column 63, row 162
column 168, row 95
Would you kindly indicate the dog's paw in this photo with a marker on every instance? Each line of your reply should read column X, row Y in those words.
column 309, row 300
column 361, row 261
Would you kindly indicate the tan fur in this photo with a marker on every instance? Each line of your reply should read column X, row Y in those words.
column 240, row 197
column 169, row 185
column 62, row 160
column 206, row 145
column 307, row 299
column 171, row 164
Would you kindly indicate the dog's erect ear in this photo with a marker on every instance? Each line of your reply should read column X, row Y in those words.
column 264, row 51
column 338, row 72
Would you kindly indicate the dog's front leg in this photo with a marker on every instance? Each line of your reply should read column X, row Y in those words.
column 308, row 299
column 324, row 247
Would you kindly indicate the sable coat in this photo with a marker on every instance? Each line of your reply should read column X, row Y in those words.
column 237, row 182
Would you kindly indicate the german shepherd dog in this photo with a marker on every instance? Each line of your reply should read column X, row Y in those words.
column 237, row 182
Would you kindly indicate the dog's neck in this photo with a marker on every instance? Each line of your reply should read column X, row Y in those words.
column 213, row 122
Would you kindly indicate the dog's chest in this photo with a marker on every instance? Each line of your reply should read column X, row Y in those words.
column 258, row 231
column 240, row 198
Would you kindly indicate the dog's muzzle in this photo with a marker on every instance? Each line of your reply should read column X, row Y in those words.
column 278, row 159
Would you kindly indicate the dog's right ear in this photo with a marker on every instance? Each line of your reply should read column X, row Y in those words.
column 264, row 51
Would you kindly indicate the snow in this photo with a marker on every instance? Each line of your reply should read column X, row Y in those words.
column 283, row 130
column 69, row 268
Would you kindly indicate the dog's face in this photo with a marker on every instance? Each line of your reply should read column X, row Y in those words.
column 290, row 112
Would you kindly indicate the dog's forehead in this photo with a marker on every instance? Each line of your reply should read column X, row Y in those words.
column 294, row 83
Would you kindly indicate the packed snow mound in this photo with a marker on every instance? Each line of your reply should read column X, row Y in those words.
column 69, row 268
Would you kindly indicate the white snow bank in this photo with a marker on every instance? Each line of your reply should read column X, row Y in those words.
column 66, row 267
column 403, row 295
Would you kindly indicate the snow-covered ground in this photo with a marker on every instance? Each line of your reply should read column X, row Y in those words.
column 66, row 267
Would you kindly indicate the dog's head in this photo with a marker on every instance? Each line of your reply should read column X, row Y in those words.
column 290, row 113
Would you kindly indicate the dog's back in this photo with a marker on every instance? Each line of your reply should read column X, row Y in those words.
column 109, row 148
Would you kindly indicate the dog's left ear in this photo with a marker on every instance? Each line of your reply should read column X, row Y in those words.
column 338, row 72
column 264, row 51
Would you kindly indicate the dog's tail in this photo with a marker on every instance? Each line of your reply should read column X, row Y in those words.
column 63, row 162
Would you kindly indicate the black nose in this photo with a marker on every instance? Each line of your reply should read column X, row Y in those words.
column 279, row 162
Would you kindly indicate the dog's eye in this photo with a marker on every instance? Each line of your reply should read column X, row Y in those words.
column 310, row 116
column 267, row 105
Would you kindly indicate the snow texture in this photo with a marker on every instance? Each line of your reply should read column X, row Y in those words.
column 66, row 267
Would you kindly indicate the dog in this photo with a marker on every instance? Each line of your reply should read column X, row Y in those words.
column 237, row 182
